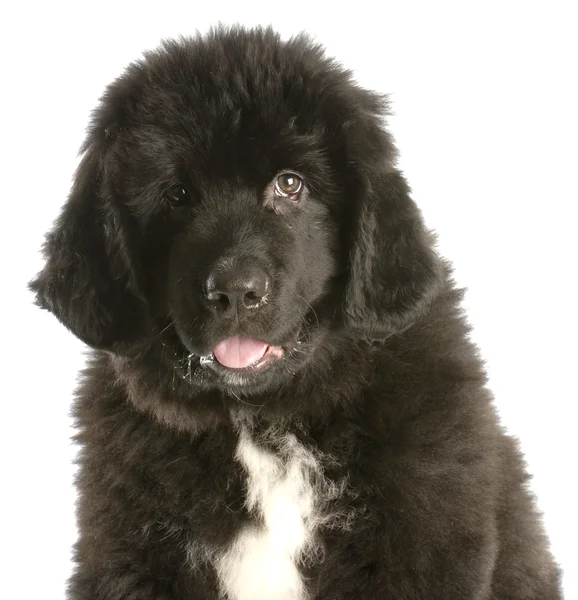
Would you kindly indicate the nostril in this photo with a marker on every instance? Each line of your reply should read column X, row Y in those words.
column 219, row 301
column 252, row 299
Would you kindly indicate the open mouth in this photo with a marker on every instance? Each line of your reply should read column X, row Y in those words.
column 242, row 361
column 242, row 354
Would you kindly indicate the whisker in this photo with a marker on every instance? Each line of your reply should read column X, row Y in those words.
column 307, row 329
column 167, row 327
column 244, row 402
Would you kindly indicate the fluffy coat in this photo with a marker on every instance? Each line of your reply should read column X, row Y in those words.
column 366, row 461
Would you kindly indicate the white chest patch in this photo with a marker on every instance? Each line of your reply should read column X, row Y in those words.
column 283, row 491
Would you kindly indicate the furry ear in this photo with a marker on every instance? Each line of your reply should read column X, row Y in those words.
column 394, row 270
column 89, row 280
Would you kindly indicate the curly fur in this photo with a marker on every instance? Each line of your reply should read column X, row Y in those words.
column 404, row 485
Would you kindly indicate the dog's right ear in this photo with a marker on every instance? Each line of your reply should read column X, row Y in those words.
column 394, row 270
column 90, row 281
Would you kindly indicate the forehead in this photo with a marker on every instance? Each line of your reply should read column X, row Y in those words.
column 233, row 107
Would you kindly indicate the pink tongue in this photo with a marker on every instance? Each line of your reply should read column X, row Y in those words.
column 238, row 352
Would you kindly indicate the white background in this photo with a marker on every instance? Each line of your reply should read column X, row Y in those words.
column 485, row 118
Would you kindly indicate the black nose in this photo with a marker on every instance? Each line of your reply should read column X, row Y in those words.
column 237, row 288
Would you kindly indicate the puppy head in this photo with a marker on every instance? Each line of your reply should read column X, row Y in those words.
column 236, row 204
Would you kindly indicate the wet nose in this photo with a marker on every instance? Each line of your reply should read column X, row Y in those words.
column 240, row 287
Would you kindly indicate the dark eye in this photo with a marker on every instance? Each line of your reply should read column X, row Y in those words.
column 288, row 185
column 176, row 194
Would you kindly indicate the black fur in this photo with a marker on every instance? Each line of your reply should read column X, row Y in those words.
column 378, row 374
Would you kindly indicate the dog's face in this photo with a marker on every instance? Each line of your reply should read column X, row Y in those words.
column 240, row 244
column 235, row 208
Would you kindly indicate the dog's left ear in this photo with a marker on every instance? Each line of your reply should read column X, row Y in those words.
column 394, row 271
column 89, row 281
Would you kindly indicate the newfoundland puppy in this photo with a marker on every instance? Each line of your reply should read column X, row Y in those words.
column 282, row 401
